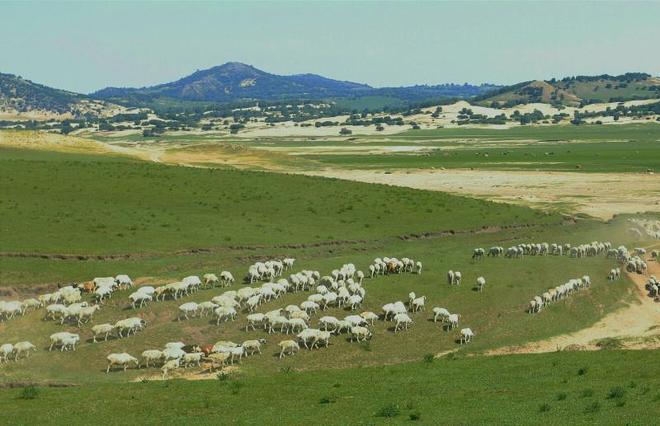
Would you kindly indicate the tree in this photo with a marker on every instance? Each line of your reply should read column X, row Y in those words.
column 345, row 131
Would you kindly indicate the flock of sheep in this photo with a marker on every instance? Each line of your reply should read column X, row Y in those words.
column 342, row 288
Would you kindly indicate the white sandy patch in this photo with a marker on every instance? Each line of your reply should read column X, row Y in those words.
column 599, row 195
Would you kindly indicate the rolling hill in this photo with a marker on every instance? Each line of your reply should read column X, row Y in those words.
column 235, row 81
column 575, row 91
column 21, row 98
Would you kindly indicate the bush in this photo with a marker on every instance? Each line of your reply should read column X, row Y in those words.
column 609, row 343
column 616, row 392
column 414, row 416
column 594, row 407
column 582, row 371
column 544, row 407
column 390, row 410
column 428, row 358
column 327, row 400
column 561, row 396
column 29, row 392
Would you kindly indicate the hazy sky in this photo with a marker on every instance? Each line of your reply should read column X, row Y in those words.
column 87, row 46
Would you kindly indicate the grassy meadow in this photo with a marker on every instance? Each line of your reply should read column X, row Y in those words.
column 71, row 217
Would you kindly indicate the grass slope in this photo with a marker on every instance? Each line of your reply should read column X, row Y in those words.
column 559, row 388
column 80, row 205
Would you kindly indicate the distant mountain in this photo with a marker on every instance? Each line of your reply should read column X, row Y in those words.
column 575, row 91
column 23, row 98
column 235, row 81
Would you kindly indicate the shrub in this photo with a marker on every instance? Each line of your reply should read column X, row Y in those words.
column 29, row 392
column 544, row 407
column 594, row 407
column 390, row 410
column 561, row 396
column 428, row 358
column 582, row 371
column 414, row 416
column 327, row 400
column 616, row 392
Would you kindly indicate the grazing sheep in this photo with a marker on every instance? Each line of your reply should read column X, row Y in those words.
column 453, row 320
column 123, row 360
column 328, row 322
column 441, row 313
column 478, row 254
column 130, row 326
column 481, row 283
column 6, row 351
column 206, row 308
column 102, row 329
column 218, row 359
column 360, row 333
column 450, row 277
column 224, row 313
column 457, row 278
column 253, row 346
column 254, row 320
column 466, row 335
column 288, row 347
column 23, row 348
column 402, row 320
column 139, row 298
column 192, row 358
column 210, row 280
column 189, row 308
column 370, row 317
column 29, row 304
column 169, row 366
column 226, row 278
column 418, row 303
column 153, row 356
column 65, row 340
column 418, row 267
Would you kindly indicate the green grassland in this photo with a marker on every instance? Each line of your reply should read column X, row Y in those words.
column 608, row 387
column 161, row 223
column 626, row 148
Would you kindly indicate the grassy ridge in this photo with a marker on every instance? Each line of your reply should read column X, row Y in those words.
column 558, row 388
column 82, row 206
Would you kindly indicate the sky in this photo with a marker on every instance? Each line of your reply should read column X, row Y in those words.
column 87, row 46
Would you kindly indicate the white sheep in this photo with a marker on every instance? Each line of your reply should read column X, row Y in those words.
column 402, row 320
column 418, row 303
column 6, row 351
column 123, row 360
column 288, row 347
column 328, row 322
column 130, row 326
column 170, row 365
column 453, row 320
column 253, row 346
column 139, row 298
column 370, row 317
column 24, row 348
column 466, row 335
column 152, row 355
column 210, row 280
column 192, row 358
column 254, row 320
column 360, row 333
column 481, row 283
column 224, row 313
column 102, row 329
column 65, row 340
column 418, row 266
column 189, row 308
column 441, row 313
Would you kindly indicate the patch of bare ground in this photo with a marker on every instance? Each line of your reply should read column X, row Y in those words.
column 202, row 373
column 635, row 326
column 600, row 195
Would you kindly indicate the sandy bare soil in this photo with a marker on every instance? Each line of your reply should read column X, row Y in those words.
column 637, row 325
column 600, row 195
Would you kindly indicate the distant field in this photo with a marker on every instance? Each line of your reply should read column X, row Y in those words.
column 564, row 148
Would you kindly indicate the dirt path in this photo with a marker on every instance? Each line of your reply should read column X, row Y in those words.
column 600, row 195
column 637, row 324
